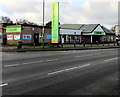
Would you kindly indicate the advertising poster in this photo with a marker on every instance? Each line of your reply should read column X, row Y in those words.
column 55, row 22
column 9, row 37
column 27, row 37
column 17, row 37
column 48, row 36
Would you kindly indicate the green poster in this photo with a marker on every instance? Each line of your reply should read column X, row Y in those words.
column 55, row 22
column 13, row 29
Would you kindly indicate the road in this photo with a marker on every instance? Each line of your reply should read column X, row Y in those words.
column 85, row 72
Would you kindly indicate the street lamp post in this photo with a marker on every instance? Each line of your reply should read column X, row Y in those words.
column 43, row 30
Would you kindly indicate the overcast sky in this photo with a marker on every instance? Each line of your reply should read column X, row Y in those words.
column 104, row 12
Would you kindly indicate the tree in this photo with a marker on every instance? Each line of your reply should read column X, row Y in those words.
column 24, row 21
column 4, row 19
column 49, row 24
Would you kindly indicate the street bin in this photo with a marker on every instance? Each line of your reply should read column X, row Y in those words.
column 19, row 44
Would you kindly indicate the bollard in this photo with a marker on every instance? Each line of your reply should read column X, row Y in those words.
column 58, row 45
column 91, row 44
column 49, row 45
column 103, row 43
column 97, row 43
column 84, row 44
column 34, row 45
column 62, row 45
column 74, row 44
column 114, row 43
column 108, row 43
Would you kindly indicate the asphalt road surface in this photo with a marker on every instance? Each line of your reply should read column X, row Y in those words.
column 86, row 72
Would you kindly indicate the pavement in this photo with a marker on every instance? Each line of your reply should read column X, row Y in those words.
column 66, row 47
column 86, row 72
column 8, row 48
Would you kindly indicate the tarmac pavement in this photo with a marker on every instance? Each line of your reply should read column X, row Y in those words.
column 65, row 48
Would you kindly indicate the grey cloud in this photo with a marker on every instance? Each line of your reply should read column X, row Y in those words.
column 22, row 7
column 94, row 12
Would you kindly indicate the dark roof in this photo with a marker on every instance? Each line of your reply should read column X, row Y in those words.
column 89, row 27
column 107, row 31
column 71, row 26
column 28, row 25
column 6, row 24
column 84, row 27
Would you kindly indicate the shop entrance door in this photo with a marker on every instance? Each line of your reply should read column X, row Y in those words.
column 96, row 38
column 36, row 38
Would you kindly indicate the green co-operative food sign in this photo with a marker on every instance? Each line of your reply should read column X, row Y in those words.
column 98, row 33
column 55, row 22
column 13, row 29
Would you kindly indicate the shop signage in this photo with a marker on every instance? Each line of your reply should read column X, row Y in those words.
column 9, row 37
column 70, row 32
column 27, row 37
column 40, row 35
column 98, row 33
column 13, row 29
column 17, row 37
column 55, row 22
column 48, row 36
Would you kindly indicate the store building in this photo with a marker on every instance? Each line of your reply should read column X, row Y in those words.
column 117, row 30
column 110, row 35
column 28, row 34
column 70, row 33
column 92, row 33
column 89, row 33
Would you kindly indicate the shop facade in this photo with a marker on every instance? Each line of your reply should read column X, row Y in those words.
column 70, row 35
column 88, row 33
column 93, row 34
column 110, row 35
column 32, row 34
column 28, row 34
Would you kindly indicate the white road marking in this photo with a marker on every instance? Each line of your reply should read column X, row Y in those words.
column 52, row 60
column 29, row 63
column 83, row 56
column 110, row 59
column 33, row 62
column 12, row 65
column 104, row 50
column 4, row 85
column 67, row 69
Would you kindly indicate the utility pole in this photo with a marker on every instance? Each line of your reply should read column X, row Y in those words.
column 43, row 30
